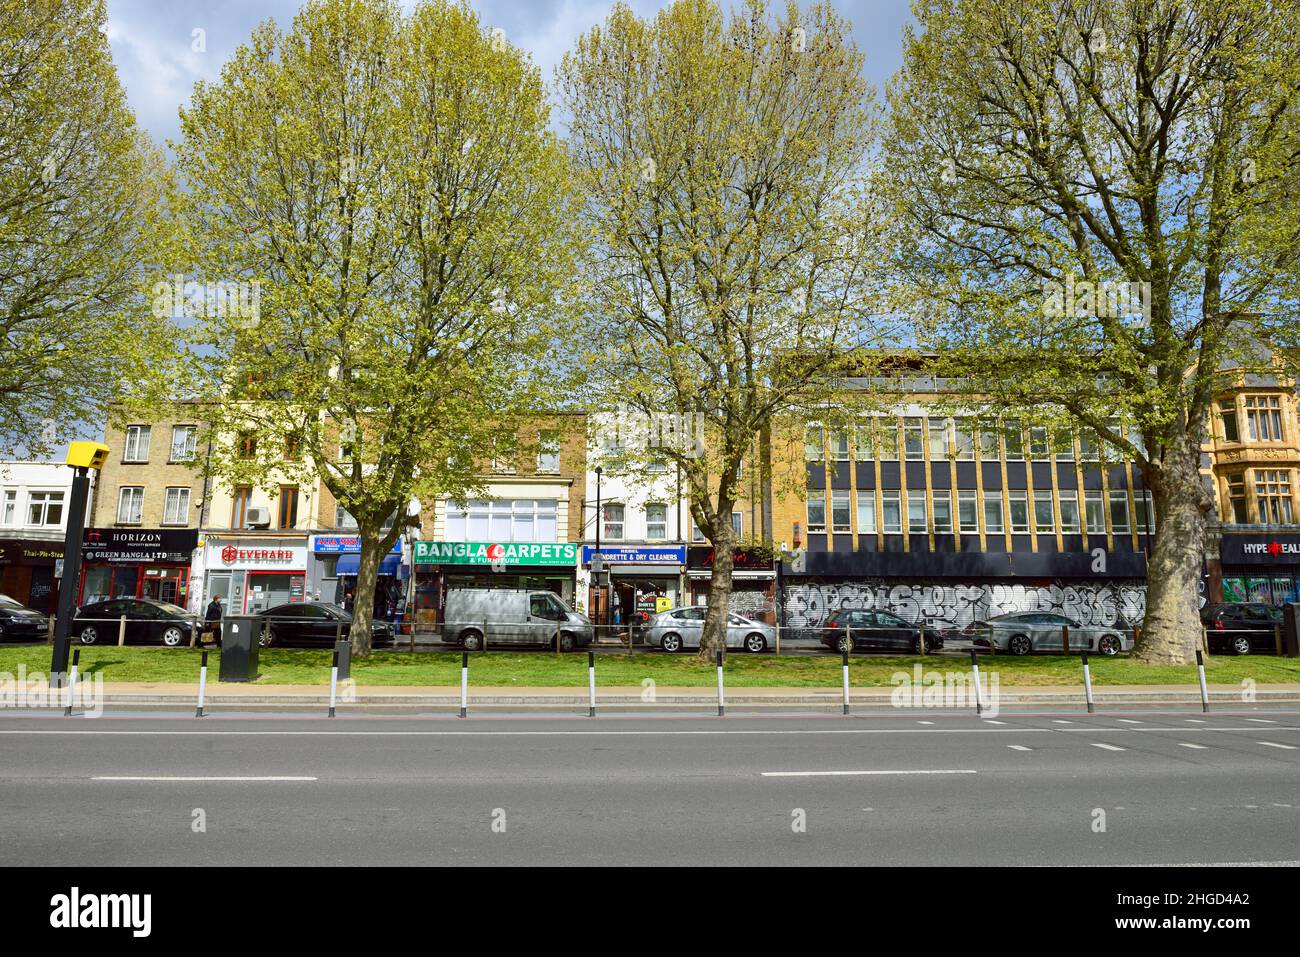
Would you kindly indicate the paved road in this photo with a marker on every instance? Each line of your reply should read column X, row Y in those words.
column 1175, row 788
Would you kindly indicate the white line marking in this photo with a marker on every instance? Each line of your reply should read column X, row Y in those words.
column 1128, row 721
column 1274, row 744
column 991, row 721
column 1262, row 720
column 1062, row 721
column 925, row 722
column 1195, row 720
column 1106, row 747
column 838, row 774
column 1019, row 747
column 1186, row 744
column 107, row 777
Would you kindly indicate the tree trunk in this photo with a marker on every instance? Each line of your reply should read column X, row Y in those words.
column 715, row 624
column 1172, row 631
column 363, row 597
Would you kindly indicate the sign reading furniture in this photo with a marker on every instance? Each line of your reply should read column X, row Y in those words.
column 495, row 553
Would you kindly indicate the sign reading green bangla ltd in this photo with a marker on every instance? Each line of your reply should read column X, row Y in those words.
column 495, row 553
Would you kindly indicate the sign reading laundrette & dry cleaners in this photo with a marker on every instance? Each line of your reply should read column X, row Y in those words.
column 495, row 553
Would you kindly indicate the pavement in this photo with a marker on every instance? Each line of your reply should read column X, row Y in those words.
column 1172, row 787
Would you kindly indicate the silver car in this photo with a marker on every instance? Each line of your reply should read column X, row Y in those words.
column 1025, row 632
column 683, row 628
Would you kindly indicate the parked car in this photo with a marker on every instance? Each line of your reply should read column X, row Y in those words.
column 1241, row 627
column 19, row 621
column 874, row 630
column 511, row 616
column 1024, row 632
column 313, row 623
column 147, row 620
column 684, row 628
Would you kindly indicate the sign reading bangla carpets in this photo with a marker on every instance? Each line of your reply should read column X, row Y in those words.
column 495, row 553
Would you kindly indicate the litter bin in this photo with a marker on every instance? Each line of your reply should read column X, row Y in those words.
column 1291, row 630
column 344, row 649
column 239, row 634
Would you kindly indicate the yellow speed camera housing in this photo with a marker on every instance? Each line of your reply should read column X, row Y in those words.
column 87, row 455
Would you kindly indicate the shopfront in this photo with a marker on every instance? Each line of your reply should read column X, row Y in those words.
column 137, row 563
column 335, row 561
column 27, row 572
column 1260, row 567
column 532, row 565
column 642, row 578
column 254, row 574
column 753, row 581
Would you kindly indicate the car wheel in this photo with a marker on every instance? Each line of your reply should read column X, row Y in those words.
column 89, row 635
column 172, row 637
column 1109, row 645
column 267, row 638
column 842, row 644
column 2, row 632
column 1020, row 645
column 755, row 643
column 471, row 640
column 916, row 645
column 671, row 643
column 566, row 641
column 1241, row 645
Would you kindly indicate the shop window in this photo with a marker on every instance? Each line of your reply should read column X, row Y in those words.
column 940, row 446
column 137, row 444
column 812, row 444
column 1018, row 505
column 656, row 522
column 1119, row 512
column 891, row 512
column 1094, row 512
column 913, row 439
column 941, row 501
column 1273, row 494
column 130, row 505
column 1070, row 512
column 816, row 510
column 841, row 511
column 917, row 520
column 1044, row 520
column 288, row 506
column 963, row 440
column 548, row 451
column 176, row 506
column 1228, row 417
column 44, row 508
column 1264, row 418
column 1239, row 513
column 993, row 514
column 239, row 506
column 612, row 522
column 968, row 519
column 184, row 442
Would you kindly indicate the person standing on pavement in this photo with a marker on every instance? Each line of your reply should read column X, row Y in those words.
column 212, row 620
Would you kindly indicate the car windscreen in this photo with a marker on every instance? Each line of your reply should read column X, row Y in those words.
column 169, row 608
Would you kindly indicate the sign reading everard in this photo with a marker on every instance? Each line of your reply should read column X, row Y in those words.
column 495, row 553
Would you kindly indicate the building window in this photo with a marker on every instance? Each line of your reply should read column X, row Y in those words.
column 137, row 444
column 1070, row 512
column 1144, row 515
column 1094, row 512
column 816, row 510
column 891, row 512
column 176, row 506
column 1273, row 493
column 738, row 524
column 1228, row 416
column 1237, row 498
column 130, row 505
column 696, row 534
column 866, row 511
column 1063, row 445
column 184, row 441
column 988, row 440
column 246, row 447
column 1089, row 447
column 293, row 447
column 1018, row 503
column 1119, row 512
column 343, row 519
column 840, row 446
column 10, row 507
column 1264, row 418
column 548, row 452
column 656, row 522
column 841, row 511
column 968, row 516
column 913, row 439
column 505, row 452
column 939, row 444
column 288, row 506
column 503, row 520
column 941, row 500
column 239, row 507
column 917, row 520
column 887, row 438
column 1038, row 448
column 1044, row 520
column 812, row 444
column 1015, row 439
column 963, row 440
column 44, row 508
column 862, row 440
column 611, row 521
column 993, row 514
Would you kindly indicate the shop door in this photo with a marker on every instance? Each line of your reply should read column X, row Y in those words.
column 165, row 584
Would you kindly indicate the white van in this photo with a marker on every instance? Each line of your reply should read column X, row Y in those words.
column 511, row 616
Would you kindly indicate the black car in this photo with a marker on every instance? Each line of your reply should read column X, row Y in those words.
column 19, row 621
column 876, row 631
column 1241, row 627
column 313, row 623
column 147, row 621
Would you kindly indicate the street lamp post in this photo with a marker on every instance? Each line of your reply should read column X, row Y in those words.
column 82, row 457
column 598, row 560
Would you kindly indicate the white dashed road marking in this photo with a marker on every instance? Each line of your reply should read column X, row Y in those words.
column 1106, row 747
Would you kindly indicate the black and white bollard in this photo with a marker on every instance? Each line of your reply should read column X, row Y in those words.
column 1200, row 672
column 334, row 682
column 591, row 684
column 203, row 684
column 72, row 682
column 975, row 673
column 464, row 683
column 722, row 706
column 1087, row 682
column 844, row 659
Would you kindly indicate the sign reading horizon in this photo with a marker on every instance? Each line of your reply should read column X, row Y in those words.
column 495, row 553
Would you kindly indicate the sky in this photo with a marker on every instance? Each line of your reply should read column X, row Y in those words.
column 159, row 54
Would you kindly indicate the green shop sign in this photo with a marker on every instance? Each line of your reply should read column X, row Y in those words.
column 495, row 553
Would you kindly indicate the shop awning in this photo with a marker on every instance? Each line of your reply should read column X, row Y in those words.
column 350, row 563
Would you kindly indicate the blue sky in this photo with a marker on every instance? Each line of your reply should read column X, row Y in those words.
column 153, row 40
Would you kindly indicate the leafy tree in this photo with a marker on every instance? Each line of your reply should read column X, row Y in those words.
column 82, row 195
column 388, row 187
column 1095, row 211
column 721, row 160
